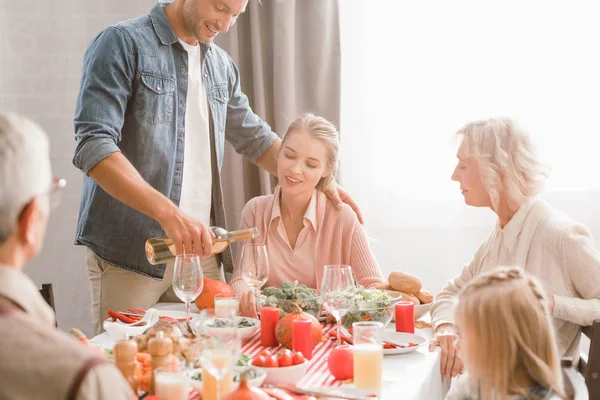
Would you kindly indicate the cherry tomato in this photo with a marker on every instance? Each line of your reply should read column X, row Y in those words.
column 271, row 362
column 265, row 353
column 298, row 358
column 285, row 358
column 258, row 361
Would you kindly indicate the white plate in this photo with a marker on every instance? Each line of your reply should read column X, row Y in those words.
column 176, row 314
column 400, row 337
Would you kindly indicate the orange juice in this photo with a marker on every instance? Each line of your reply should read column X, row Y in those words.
column 368, row 359
column 209, row 385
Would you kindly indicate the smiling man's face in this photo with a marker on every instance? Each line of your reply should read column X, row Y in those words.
column 207, row 18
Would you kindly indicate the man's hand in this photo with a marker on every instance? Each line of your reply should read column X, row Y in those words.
column 339, row 196
column 189, row 235
column 248, row 305
column 445, row 338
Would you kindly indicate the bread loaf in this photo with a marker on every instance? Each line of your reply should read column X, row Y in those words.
column 384, row 286
column 410, row 297
column 425, row 297
column 404, row 282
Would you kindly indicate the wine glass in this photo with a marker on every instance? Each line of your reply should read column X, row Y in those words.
column 254, row 264
column 188, row 280
column 220, row 351
column 336, row 285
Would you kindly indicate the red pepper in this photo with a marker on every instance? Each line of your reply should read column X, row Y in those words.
column 118, row 316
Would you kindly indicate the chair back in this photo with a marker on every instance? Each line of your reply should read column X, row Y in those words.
column 589, row 365
column 575, row 387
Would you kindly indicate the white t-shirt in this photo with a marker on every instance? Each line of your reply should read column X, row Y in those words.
column 196, row 187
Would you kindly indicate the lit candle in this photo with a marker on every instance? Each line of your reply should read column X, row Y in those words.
column 302, row 337
column 405, row 317
column 269, row 316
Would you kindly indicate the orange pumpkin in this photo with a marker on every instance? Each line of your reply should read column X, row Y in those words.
column 283, row 329
column 212, row 288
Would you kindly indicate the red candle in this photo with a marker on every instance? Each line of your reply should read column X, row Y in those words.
column 269, row 316
column 405, row 317
column 302, row 337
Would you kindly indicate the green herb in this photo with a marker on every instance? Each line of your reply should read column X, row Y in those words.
column 245, row 323
column 109, row 353
column 243, row 361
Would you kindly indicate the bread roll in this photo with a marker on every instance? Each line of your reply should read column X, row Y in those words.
column 384, row 286
column 404, row 282
column 410, row 297
column 425, row 297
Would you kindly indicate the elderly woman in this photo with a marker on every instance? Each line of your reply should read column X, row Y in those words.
column 497, row 169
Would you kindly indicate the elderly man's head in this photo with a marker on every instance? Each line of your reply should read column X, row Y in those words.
column 25, row 185
column 496, row 163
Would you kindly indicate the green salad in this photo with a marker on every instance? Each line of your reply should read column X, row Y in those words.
column 369, row 305
column 242, row 323
column 289, row 293
column 243, row 361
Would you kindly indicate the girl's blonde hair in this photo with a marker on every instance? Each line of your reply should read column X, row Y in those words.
column 506, row 160
column 323, row 130
column 507, row 312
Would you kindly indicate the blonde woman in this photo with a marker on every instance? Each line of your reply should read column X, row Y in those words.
column 498, row 169
column 506, row 340
column 298, row 223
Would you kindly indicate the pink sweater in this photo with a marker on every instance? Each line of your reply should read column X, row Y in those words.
column 341, row 239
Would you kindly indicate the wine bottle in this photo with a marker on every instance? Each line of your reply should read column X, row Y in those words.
column 161, row 250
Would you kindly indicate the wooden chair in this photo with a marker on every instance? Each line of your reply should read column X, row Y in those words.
column 590, row 366
column 48, row 295
column 575, row 387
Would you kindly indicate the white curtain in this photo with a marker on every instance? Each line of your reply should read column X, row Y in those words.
column 414, row 72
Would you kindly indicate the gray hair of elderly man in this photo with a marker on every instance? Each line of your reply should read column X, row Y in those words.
column 25, row 171
column 507, row 159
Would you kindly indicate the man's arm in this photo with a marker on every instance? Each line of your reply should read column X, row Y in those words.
column 119, row 178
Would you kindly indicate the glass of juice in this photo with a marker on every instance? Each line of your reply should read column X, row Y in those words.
column 368, row 355
column 225, row 304
column 171, row 384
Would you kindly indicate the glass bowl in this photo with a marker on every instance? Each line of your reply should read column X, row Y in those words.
column 379, row 311
column 310, row 306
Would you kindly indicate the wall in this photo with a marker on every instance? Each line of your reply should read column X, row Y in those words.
column 42, row 43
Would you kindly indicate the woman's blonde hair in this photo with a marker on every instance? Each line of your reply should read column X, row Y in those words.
column 507, row 312
column 506, row 159
column 323, row 130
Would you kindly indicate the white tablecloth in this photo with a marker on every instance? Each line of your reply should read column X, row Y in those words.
column 412, row 376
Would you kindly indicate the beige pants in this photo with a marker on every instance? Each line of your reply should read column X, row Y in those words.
column 114, row 288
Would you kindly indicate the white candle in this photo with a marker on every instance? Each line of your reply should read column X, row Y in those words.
column 172, row 386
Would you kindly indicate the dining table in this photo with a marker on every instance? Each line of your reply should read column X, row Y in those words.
column 410, row 376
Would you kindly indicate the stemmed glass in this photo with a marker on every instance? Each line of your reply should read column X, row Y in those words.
column 336, row 292
column 188, row 280
column 254, row 264
column 220, row 351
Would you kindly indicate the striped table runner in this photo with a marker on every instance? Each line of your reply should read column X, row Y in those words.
column 317, row 373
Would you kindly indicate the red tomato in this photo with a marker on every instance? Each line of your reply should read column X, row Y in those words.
column 285, row 358
column 341, row 362
column 265, row 353
column 298, row 358
column 271, row 362
column 258, row 361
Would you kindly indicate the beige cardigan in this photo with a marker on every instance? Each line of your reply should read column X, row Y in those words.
column 555, row 249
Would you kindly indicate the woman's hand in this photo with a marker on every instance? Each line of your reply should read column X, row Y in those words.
column 248, row 305
column 445, row 338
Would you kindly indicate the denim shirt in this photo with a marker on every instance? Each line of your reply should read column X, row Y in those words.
column 132, row 100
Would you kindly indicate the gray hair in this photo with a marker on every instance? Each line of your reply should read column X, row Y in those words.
column 506, row 159
column 323, row 130
column 24, row 168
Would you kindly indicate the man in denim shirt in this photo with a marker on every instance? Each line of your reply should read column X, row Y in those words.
column 133, row 134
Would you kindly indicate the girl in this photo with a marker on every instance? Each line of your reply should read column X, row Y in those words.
column 506, row 340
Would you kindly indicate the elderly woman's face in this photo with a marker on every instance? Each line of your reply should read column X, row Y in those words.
column 468, row 175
